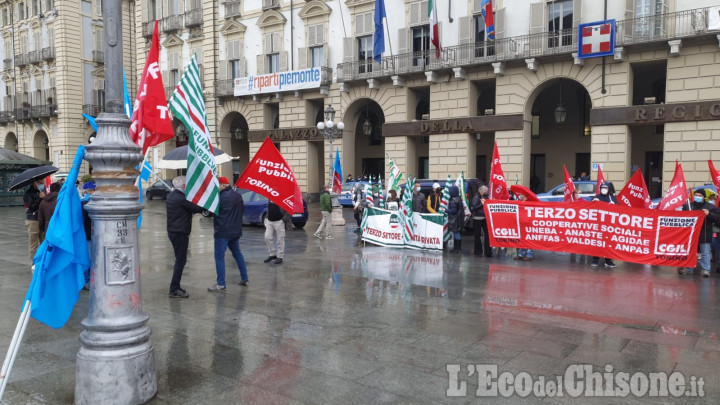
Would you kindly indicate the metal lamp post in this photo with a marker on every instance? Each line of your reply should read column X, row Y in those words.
column 330, row 132
column 115, row 363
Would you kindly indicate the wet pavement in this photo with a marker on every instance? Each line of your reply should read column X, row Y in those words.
column 341, row 323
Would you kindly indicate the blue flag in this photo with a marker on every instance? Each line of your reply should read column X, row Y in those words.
column 145, row 171
column 61, row 260
column 92, row 122
column 338, row 177
column 126, row 97
column 379, row 38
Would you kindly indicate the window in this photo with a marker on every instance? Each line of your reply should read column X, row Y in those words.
column 21, row 11
column 273, row 60
column 482, row 46
column 365, row 53
column 174, row 77
column 273, row 63
column 235, row 70
column 51, row 36
column 49, row 5
column 645, row 10
column 317, row 55
column 35, row 7
column 420, row 45
column 560, row 18
column 152, row 10
column 5, row 17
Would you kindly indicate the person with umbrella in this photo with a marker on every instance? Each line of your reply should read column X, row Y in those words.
column 32, row 198
column 46, row 209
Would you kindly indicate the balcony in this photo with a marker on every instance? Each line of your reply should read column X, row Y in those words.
column 48, row 53
column 23, row 113
column 233, row 9
column 35, row 57
column 98, row 56
column 638, row 31
column 7, row 64
column 147, row 29
column 22, row 60
column 92, row 109
column 193, row 18
column 225, row 88
column 270, row 4
column 43, row 111
column 7, row 116
column 171, row 23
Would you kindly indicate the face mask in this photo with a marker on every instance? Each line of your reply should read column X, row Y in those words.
column 698, row 199
column 603, row 191
column 417, row 188
column 41, row 187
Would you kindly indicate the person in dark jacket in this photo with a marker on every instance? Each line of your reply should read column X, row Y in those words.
column 46, row 210
column 433, row 201
column 32, row 198
column 179, row 225
column 419, row 203
column 359, row 204
column 712, row 217
column 456, row 217
column 275, row 228
column 477, row 207
column 228, row 230
column 606, row 195
column 326, row 208
column 88, row 191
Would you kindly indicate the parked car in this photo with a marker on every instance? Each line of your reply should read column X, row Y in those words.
column 159, row 190
column 256, row 209
column 345, row 198
column 711, row 187
column 557, row 193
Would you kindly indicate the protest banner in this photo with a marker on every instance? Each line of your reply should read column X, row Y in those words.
column 382, row 227
column 597, row 229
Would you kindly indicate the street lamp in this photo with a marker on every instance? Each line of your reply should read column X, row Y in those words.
column 330, row 132
column 238, row 134
column 560, row 110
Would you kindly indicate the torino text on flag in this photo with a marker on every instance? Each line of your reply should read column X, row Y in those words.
column 282, row 81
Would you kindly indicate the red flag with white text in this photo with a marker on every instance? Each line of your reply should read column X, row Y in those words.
column 151, row 124
column 715, row 175
column 569, row 187
column 600, row 179
column 498, row 185
column 635, row 193
column 269, row 174
column 676, row 195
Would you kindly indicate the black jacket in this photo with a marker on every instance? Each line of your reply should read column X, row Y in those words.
column 180, row 212
column 419, row 203
column 713, row 218
column 477, row 207
column 45, row 212
column 455, row 211
column 228, row 223
column 609, row 198
column 274, row 213
column 32, row 199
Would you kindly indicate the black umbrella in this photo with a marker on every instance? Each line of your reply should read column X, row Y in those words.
column 177, row 158
column 30, row 176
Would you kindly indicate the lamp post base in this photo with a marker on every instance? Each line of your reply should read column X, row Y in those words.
column 337, row 215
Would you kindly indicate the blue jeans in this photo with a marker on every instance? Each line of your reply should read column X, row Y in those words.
column 525, row 252
column 456, row 235
column 704, row 259
column 220, row 246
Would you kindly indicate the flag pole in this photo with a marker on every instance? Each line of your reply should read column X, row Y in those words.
column 14, row 347
column 388, row 35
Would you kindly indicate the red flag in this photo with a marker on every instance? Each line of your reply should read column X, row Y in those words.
column 498, row 185
column 518, row 189
column 635, row 193
column 269, row 174
column 600, row 179
column 715, row 176
column 151, row 124
column 569, row 187
column 675, row 195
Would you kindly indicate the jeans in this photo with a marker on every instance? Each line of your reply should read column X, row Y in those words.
column 456, row 235
column 221, row 245
column 179, row 243
column 704, row 259
column 525, row 253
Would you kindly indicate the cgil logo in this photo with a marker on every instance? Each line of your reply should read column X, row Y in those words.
column 506, row 232
column 667, row 248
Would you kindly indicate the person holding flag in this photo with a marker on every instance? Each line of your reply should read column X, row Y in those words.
column 569, row 192
column 337, row 173
column 482, row 237
column 712, row 218
column 228, row 231
column 323, row 230
column 606, row 196
column 456, row 217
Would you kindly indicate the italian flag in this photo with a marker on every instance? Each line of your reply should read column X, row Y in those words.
column 434, row 35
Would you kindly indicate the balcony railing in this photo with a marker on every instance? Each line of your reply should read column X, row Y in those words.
column 48, row 53
column 193, row 18
column 23, row 113
column 7, row 116
column 7, row 64
column 225, row 88
column 233, row 9
column 147, row 29
column 171, row 23
column 98, row 56
column 35, row 57
column 92, row 109
column 43, row 111
column 642, row 30
column 22, row 60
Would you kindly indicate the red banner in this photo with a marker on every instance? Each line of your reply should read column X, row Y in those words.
column 597, row 229
column 268, row 174
column 569, row 187
column 151, row 123
column 715, row 176
column 635, row 193
column 498, row 185
column 676, row 195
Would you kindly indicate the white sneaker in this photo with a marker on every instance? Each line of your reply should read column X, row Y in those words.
column 32, row 269
column 705, row 273
column 329, row 237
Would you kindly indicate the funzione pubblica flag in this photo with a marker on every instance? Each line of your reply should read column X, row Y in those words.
column 188, row 106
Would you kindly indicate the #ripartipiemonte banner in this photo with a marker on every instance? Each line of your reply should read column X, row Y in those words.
column 382, row 227
column 597, row 229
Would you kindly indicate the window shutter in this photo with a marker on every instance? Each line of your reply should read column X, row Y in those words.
column 577, row 15
column 403, row 40
column 165, row 8
column 320, row 33
column 243, row 70
column 284, row 61
column 465, row 34
column 238, row 49
column 326, row 57
column 166, row 78
column 158, row 9
column 98, row 7
column 477, row 6
column 276, row 44
column 312, row 36
column 198, row 55
column 348, row 47
column 369, row 23
column 415, row 13
column 267, row 43
column 537, row 18
column 359, row 24
column 629, row 9
column 425, row 12
column 260, row 69
column 303, row 58
column 499, row 21
column 222, row 70
column 51, row 36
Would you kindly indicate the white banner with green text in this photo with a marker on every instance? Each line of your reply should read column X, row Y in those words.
column 381, row 227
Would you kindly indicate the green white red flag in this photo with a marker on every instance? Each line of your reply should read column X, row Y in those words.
column 395, row 175
column 434, row 30
column 187, row 104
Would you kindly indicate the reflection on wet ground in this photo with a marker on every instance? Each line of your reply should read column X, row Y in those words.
column 339, row 322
